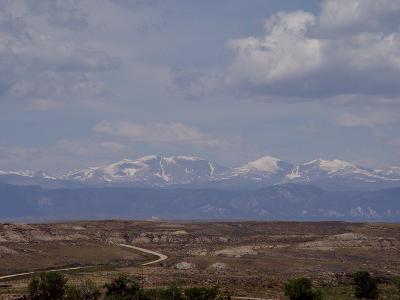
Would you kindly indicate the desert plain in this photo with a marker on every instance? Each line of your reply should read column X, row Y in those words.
column 247, row 259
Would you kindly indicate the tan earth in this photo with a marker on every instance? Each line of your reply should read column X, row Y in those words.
column 245, row 258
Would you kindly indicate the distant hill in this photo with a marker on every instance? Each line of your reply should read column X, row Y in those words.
column 279, row 202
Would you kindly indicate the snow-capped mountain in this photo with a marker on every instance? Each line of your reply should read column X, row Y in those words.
column 265, row 166
column 337, row 173
column 158, row 171
column 391, row 172
column 331, row 174
column 266, row 170
column 319, row 169
column 27, row 177
column 27, row 173
column 151, row 171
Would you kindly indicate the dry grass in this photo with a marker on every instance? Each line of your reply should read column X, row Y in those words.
column 270, row 252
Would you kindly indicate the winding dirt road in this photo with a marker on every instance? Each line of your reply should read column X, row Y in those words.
column 33, row 272
column 161, row 257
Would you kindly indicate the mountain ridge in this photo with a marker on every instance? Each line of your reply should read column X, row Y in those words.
column 160, row 171
column 279, row 202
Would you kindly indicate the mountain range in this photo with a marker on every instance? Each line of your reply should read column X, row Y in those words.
column 187, row 171
column 278, row 202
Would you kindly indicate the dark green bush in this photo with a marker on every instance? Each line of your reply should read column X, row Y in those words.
column 72, row 293
column 86, row 291
column 365, row 286
column 301, row 289
column 170, row 293
column 195, row 293
column 397, row 284
column 53, row 286
column 123, row 288
column 205, row 293
column 49, row 286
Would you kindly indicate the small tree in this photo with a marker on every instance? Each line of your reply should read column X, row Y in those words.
column 365, row 285
column 397, row 285
column 301, row 289
column 204, row 293
column 86, row 291
column 171, row 293
column 89, row 291
column 72, row 293
column 123, row 288
column 49, row 286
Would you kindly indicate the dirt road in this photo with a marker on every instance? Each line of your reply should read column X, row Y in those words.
column 33, row 272
column 161, row 257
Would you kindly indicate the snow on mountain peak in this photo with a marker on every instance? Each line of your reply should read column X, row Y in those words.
column 192, row 158
column 157, row 171
column 267, row 164
column 294, row 174
column 332, row 166
column 151, row 170
column 320, row 168
column 147, row 158
column 174, row 159
column 390, row 171
column 28, row 173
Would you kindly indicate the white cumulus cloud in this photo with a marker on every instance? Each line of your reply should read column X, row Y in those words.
column 270, row 58
column 304, row 55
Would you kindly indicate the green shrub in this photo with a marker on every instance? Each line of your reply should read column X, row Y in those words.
column 123, row 288
column 53, row 286
column 223, row 296
column 301, row 289
column 194, row 293
column 365, row 286
column 397, row 284
column 49, row 286
column 170, row 293
column 87, row 291
column 72, row 293
column 205, row 293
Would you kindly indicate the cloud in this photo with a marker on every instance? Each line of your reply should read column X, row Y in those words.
column 270, row 58
column 62, row 156
column 112, row 141
column 146, row 15
column 158, row 132
column 350, row 50
column 66, row 14
column 50, row 90
column 366, row 119
column 300, row 57
column 195, row 85
column 347, row 17
column 347, row 100
column 92, row 147
column 42, row 67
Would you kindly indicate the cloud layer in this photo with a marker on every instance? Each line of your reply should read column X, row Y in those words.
column 304, row 55
column 89, row 82
column 170, row 132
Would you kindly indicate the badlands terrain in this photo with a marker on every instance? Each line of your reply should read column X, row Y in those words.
column 244, row 258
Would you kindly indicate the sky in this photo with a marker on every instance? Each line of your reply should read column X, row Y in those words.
column 86, row 83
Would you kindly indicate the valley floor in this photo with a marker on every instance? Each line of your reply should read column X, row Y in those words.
column 245, row 258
